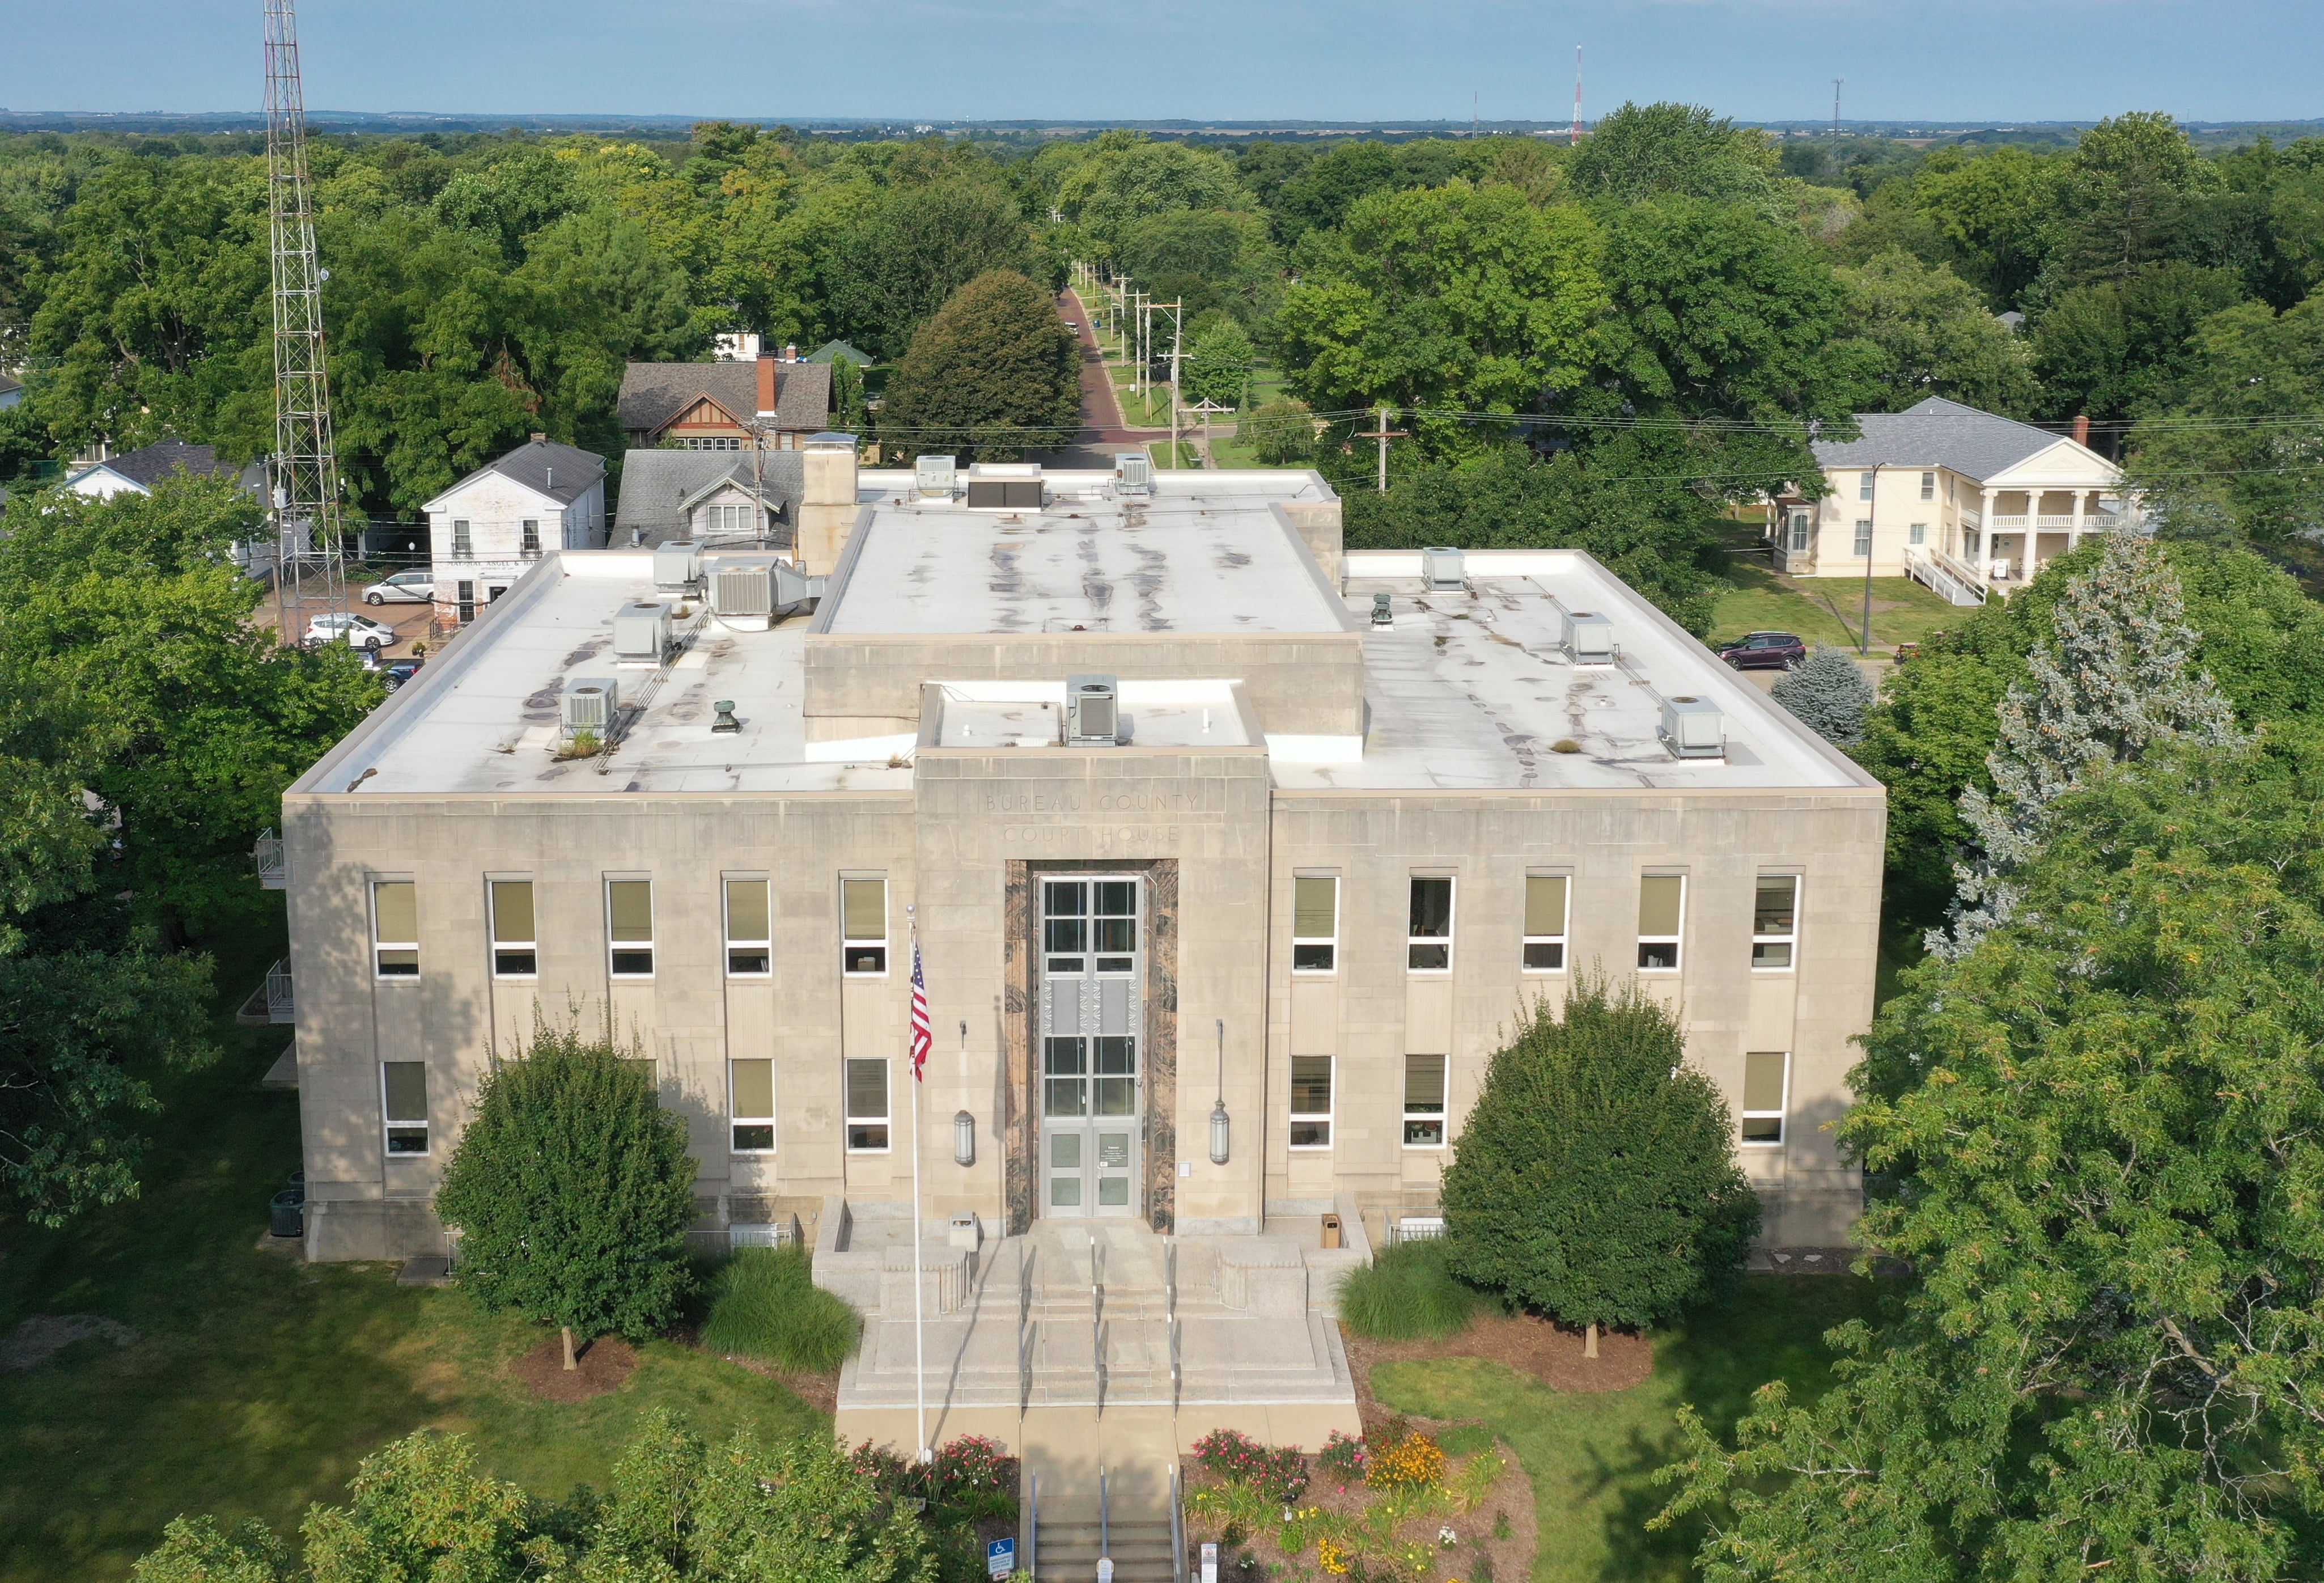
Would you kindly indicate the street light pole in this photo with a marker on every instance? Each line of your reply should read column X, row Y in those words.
column 1871, row 535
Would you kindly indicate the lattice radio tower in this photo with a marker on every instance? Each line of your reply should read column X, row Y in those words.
column 303, row 475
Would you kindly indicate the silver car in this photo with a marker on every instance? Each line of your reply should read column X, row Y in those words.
column 405, row 587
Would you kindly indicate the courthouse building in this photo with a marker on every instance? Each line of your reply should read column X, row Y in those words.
column 1231, row 856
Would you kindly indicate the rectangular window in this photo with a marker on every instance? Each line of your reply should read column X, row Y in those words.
column 629, row 927
column 1864, row 535
column 1430, row 946
column 1315, row 924
column 867, row 1106
column 464, row 597
column 863, row 926
column 1662, row 907
column 1919, row 532
column 395, row 928
column 1928, row 486
column 1767, row 1092
column 749, row 949
column 1775, row 921
column 1424, row 1101
column 515, row 953
column 461, row 549
column 732, row 521
column 750, row 1100
column 403, row 1104
column 529, row 539
column 1310, row 1101
column 1544, row 922
column 1802, row 528
column 1864, row 484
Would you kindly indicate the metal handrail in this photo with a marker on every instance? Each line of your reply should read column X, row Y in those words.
column 1177, row 1529
column 281, row 1001
column 266, row 854
column 1104, row 1539
column 1033, row 1525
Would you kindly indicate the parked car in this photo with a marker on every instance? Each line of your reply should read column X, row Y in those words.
column 1766, row 650
column 394, row 673
column 357, row 631
column 405, row 587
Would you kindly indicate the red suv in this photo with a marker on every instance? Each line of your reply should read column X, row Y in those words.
column 1766, row 650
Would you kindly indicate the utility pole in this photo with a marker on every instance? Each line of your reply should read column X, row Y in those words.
column 1383, row 434
column 1577, row 95
column 1835, row 104
column 1871, row 532
column 1178, row 325
column 310, row 576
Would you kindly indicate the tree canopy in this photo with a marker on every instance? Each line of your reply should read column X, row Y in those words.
column 993, row 374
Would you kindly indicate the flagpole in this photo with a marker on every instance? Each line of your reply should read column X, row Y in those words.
column 919, row 1274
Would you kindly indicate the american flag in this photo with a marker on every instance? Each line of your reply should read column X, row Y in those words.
column 922, row 1037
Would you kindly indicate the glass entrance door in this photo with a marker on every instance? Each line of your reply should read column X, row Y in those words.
column 1092, row 1018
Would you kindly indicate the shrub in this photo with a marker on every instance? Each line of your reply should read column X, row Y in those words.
column 1279, row 1472
column 1596, row 1177
column 765, row 1304
column 969, row 1479
column 1407, row 1292
column 1342, row 1457
column 1829, row 695
column 1408, row 1460
column 1282, row 433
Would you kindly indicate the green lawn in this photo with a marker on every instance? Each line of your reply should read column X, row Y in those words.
column 257, row 1384
column 1592, row 1458
column 1828, row 610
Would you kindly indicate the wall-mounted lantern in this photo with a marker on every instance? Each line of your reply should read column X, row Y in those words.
column 1219, row 1123
column 964, row 1139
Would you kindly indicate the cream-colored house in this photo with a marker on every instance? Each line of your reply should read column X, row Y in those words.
column 1963, row 500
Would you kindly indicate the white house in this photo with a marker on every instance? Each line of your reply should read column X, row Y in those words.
column 711, row 497
column 1964, row 501
column 486, row 529
column 136, row 472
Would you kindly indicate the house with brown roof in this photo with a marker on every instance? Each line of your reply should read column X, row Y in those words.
column 772, row 400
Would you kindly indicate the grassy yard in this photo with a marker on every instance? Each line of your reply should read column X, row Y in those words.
column 1592, row 1458
column 1828, row 610
column 255, row 1385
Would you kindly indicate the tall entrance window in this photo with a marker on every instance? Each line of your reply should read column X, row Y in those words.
column 1091, row 1020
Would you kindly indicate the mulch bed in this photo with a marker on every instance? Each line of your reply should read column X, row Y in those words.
column 1538, row 1347
column 1494, row 1541
column 605, row 1365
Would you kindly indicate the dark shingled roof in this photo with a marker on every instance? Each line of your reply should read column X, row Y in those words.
column 9, row 382
column 656, row 483
column 1939, row 433
column 533, row 463
column 654, row 393
column 149, row 465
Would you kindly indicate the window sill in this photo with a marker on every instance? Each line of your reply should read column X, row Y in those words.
column 1759, row 1144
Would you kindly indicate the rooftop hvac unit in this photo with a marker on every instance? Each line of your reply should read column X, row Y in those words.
column 641, row 632
column 1588, row 637
column 934, row 475
column 678, row 566
column 1693, row 728
column 1441, row 567
column 794, row 587
column 745, row 591
column 590, row 705
column 1135, row 469
column 1005, row 494
column 1092, row 712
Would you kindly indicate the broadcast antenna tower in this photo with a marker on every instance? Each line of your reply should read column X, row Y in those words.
column 310, row 575
column 1577, row 95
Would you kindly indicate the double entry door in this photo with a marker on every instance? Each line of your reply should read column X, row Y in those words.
column 1092, row 1022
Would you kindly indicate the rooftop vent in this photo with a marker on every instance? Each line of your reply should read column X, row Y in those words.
column 1092, row 712
column 1693, row 728
column 1441, row 567
column 1134, row 470
column 1588, row 637
column 1005, row 494
column 934, row 477
column 1383, row 610
column 678, row 566
column 641, row 634
column 590, row 705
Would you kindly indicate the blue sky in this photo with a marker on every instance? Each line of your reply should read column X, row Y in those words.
column 1981, row 59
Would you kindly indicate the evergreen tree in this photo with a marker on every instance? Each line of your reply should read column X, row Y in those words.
column 1596, row 1178
column 993, row 374
column 572, row 1189
column 1829, row 695
column 2115, row 681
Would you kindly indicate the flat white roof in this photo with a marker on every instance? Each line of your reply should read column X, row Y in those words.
column 1205, row 552
column 1468, row 690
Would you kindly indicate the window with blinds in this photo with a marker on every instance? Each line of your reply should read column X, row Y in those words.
column 515, row 945
column 395, row 928
column 629, row 928
column 863, row 926
column 1662, row 911
column 1544, row 922
column 750, row 1100
column 1315, row 924
column 750, row 948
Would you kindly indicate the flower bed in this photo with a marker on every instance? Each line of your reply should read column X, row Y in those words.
column 1391, row 1508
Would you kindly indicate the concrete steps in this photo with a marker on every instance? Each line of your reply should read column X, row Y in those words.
column 1140, row 1549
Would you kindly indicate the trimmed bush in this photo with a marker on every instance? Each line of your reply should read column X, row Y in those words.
column 765, row 1304
column 1277, row 1472
column 1408, row 1291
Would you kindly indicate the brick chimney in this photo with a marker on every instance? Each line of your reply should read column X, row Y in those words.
column 766, row 384
column 540, row 440
column 2082, row 429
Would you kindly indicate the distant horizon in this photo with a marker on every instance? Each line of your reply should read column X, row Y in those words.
column 1983, row 63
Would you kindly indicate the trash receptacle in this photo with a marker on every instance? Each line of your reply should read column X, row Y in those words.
column 1331, row 1236
column 287, row 1215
